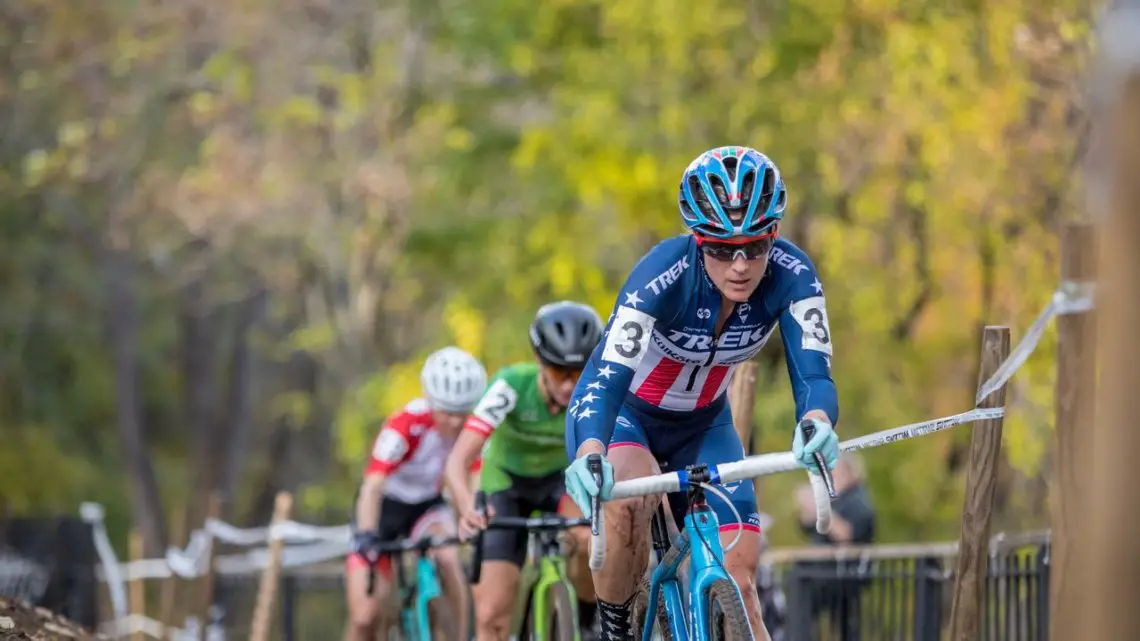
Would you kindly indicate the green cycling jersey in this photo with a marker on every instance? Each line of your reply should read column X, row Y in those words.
column 523, row 438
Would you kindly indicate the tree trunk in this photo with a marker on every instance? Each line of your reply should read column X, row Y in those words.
column 280, row 474
column 197, row 329
column 146, row 506
column 240, row 401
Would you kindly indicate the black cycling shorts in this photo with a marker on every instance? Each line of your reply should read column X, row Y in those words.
column 398, row 519
column 525, row 496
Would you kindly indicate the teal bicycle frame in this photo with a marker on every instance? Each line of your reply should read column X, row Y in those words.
column 416, row 597
column 700, row 537
column 706, row 566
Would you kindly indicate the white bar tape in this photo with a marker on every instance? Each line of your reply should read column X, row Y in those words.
column 822, row 503
column 646, row 485
column 598, row 542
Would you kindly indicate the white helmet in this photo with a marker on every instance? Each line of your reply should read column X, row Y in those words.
column 453, row 380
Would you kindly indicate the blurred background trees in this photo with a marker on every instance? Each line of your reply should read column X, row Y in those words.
column 230, row 231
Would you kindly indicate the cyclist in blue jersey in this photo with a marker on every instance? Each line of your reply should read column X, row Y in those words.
column 652, row 397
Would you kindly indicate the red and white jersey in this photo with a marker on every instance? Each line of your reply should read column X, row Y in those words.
column 411, row 452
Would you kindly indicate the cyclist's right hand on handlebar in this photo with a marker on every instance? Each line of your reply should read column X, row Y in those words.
column 366, row 543
column 582, row 486
column 472, row 521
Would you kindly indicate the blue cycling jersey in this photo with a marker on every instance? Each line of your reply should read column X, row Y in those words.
column 660, row 352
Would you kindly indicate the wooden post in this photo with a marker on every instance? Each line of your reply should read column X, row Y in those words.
column 137, row 588
column 168, row 589
column 267, row 589
column 1110, row 611
column 742, row 398
column 981, row 479
column 1072, row 438
column 205, row 591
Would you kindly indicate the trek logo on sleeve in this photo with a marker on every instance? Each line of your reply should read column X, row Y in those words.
column 787, row 261
column 628, row 337
column 666, row 278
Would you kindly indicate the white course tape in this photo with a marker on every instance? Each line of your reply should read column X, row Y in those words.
column 246, row 562
column 1118, row 42
column 1070, row 298
column 132, row 624
column 116, row 586
column 920, row 429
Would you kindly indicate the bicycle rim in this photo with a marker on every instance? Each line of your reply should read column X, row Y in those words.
column 727, row 618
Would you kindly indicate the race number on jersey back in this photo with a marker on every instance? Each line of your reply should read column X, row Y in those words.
column 523, row 438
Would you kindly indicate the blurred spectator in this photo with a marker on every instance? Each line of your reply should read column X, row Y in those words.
column 837, row 586
column 773, row 605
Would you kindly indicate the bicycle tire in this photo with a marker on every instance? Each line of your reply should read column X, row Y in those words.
column 639, row 610
column 726, row 612
column 441, row 619
column 562, row 623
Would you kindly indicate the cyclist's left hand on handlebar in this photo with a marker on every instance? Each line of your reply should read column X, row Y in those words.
column 824, row 441
column 581, row 484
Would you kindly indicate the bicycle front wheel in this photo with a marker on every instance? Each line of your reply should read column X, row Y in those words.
column 639, row 614
column 727, row 618
column 559, row 622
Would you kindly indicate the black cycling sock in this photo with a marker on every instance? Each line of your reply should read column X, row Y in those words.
column 587, row 610
column 615, row 619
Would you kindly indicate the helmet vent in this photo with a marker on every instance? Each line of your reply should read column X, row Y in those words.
column 730, row 166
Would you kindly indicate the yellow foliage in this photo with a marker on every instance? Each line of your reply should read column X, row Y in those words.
column 465, row 324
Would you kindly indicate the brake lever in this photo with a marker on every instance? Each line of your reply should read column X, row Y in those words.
column 807, row 427
column 475, row 572
column 594, row 464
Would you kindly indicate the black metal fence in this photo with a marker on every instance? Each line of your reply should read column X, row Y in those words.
column 50, row 562
column 908, row 599
column 310, row 604
column 894, row 598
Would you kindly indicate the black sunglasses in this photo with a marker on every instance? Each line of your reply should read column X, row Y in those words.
column 751, row 251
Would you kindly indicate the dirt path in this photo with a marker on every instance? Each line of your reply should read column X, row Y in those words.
column 18, row 621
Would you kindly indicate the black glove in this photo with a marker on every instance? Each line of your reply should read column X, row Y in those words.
column 366, row 543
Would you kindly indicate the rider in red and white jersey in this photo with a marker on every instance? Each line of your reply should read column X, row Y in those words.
column 401, row 493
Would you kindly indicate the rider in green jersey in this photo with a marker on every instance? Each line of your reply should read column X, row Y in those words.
column 519, row 426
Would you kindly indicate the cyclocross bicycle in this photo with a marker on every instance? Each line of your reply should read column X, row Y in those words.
column 708, row 605
column 415, row 597
column 548, row 607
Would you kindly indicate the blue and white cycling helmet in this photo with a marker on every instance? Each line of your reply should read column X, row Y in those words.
column 732, row 193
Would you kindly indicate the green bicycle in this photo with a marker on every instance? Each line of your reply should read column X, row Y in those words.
column 548, row 609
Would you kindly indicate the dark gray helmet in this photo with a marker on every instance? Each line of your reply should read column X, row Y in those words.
column 565, row 333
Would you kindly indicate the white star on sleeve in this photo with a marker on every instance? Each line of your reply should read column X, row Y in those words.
column 589, row 397
column 595, row 385
column 632, row 299
column 606, row 372
column 586, row 413
column 817, row 286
